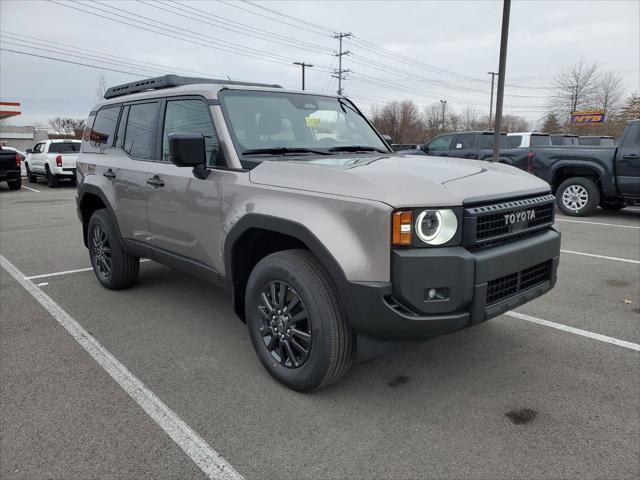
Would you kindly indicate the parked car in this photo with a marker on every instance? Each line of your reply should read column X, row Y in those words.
column 53, row 159
column 19, row 152
column 584, row 177
column 596, row 141
column 528, row 139
column 559, row 139
column 325, row 243
column 474, row 145
column 10, row 168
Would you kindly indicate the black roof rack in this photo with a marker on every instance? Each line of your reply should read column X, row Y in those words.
column 167, row 81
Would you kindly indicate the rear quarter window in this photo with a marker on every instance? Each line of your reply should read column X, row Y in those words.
column 104, row 127
column 540, row 141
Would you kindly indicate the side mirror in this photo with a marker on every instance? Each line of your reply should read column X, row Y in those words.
column 388, row 139
column 188, row 150
column 29, row 150
column 424, row 148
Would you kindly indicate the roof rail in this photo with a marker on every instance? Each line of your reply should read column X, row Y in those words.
column 167, row 81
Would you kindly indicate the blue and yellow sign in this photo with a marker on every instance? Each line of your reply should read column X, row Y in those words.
column 587, row 117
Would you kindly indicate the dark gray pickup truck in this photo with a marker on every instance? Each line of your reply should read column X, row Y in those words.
column 10, row 168
column 583, row 178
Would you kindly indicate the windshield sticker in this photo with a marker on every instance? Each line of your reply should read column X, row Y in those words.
column 312, row 122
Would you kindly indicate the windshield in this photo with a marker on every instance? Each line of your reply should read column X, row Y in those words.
column 279, row 123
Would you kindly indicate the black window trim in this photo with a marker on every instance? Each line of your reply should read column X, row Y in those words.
column 154, row 141
column 208, row 103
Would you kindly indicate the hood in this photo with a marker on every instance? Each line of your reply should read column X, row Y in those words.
column 400, row 180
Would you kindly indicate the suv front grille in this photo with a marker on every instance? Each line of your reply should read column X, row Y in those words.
column 517, row 282
column 488, row 223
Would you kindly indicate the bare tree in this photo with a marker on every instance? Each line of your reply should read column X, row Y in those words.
column 575, row 88
column 100, row 88
column 469, row 118
column 432, row 116
column 609, row 93
column 514, row 123
column 453, row 122
column 401, row 120
column 66, row 127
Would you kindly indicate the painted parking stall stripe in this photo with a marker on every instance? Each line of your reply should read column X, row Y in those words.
column 67, row 272
column 576, row 331
column 32, row 189
column 209, row 461
column 604, row 257
column 597, row 223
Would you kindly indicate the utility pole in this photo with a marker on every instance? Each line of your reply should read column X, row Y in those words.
column 339, row 73
column 444, row 105
column 303, row 65
column 493, row 76
column 506, row 9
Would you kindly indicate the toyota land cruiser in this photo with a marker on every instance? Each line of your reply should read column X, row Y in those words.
column 293, row 202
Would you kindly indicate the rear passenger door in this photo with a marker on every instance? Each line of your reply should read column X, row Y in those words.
column 184, row 211
column 464, row 146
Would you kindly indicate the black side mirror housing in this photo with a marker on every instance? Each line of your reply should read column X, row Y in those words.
column 188, row 150
column 29, row 150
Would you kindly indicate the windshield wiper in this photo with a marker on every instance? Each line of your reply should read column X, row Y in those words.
column 357, row 148
column 282, row 151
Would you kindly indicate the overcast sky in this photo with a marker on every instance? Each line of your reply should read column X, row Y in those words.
column 446, row 48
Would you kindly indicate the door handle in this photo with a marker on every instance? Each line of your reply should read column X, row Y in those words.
column 109, row 174
column 155, row 181
column 632, row 156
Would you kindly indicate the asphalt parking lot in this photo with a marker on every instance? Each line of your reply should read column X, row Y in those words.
column 510, row 398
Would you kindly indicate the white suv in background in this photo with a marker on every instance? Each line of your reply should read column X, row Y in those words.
column 53, row 159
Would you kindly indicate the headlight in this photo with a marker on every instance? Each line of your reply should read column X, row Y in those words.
column 436, row 227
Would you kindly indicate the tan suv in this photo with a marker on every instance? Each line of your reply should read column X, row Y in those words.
column 327, row 241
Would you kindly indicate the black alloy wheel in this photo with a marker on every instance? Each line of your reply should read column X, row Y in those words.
column 286, row 327
column 101, row 249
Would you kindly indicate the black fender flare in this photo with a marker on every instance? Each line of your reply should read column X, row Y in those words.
column 598, row 170
column 85, row 189
column 304, row 235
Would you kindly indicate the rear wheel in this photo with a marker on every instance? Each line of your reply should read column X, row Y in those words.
column 30, row 176
column 15, row 184
column 578, row 196
column 52, row 180
column 297, row 329
column 113, row 267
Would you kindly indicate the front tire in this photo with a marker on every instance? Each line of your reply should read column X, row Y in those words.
column 578, row 197
column 15, row 184
column 114, row 268
column 295, row 323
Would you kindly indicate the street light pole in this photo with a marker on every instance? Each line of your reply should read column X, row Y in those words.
column 303, row 65
column 506, row 9
column 493, row 76
column 444, row 105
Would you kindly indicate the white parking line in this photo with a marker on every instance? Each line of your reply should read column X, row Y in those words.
column 209, row 461
column 67, row 272
column 597, row 223
column 576, row 331
column 617, row 259
column 43, row 284
column 32, row 189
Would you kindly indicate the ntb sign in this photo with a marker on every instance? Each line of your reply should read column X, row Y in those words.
column 587, row 117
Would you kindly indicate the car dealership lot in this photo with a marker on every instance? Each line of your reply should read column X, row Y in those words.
column 509, row 398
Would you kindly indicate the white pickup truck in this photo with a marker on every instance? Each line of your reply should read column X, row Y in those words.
column 53, row 159
column 528, row 139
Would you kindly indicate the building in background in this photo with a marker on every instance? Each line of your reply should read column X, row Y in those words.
column 21, row 138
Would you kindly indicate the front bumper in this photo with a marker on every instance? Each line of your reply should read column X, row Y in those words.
column 479, row 284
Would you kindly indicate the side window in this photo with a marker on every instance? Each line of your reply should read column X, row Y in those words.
column 514, row 141
column 440, row 143
column 189, row 116
column 464, row 141
column 121, row 127
column 104, row 127
column 140, row 132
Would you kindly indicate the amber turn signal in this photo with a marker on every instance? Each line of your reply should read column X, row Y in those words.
column 401, row 228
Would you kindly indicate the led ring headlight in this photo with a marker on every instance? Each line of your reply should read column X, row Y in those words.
column 436, row 227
